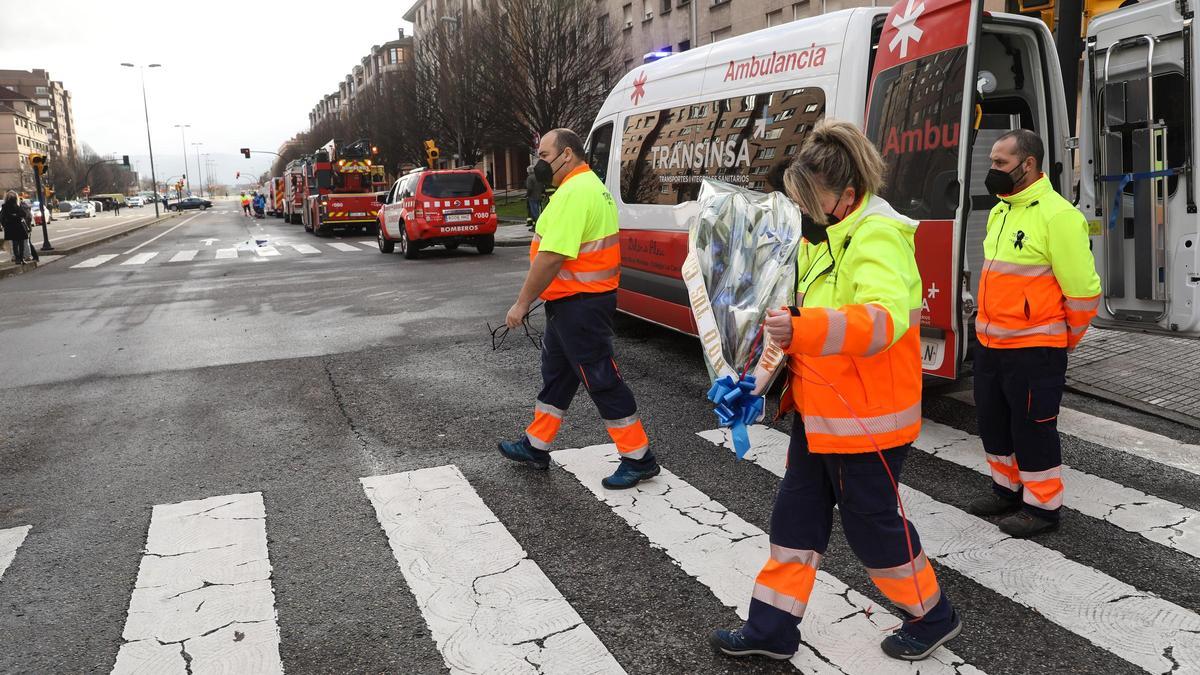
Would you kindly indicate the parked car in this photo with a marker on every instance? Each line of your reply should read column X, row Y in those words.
column 83, row 210
column 134, row 201
column 189, row 203
column 65, row 206
column 429, row 208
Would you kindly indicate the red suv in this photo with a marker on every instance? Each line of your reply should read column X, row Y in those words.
column 427, row 208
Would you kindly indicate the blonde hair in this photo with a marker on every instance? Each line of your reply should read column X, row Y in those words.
column 834, row 156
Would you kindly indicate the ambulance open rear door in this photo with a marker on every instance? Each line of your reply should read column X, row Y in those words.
column 919, row 111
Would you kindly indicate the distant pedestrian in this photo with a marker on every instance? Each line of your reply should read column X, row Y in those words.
column 491, row 182
column 16, row 227
column 116, row 207
column 533, row 199
column 245, row 203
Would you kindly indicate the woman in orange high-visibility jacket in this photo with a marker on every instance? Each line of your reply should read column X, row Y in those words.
column 856, row 385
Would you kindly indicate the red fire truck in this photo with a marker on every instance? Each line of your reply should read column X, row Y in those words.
column 294, row 190
column 343, row 183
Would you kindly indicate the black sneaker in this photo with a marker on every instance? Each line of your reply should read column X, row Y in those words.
column 902, row 645
column 993, row 504
column 627, row 475
column 522, row 451
column 735, row 643
column 1024, row 525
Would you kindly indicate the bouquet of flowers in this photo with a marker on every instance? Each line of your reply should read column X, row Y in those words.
column 741, row 251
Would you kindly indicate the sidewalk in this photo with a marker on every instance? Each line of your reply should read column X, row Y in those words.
column 513, row 233
column 103, row 230
column 1154, row 373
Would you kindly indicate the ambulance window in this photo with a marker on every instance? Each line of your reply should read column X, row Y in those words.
column 598, row 150
column 915, row 119
column 664, row 161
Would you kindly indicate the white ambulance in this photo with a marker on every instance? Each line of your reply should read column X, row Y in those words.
column 933, row 82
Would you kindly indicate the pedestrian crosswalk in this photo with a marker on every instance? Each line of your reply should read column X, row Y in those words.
column 203, row 598
column 275, row 250
column 1064, row 591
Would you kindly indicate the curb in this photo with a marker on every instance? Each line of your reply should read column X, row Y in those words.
column 12, row 270
column 514, row 243
column 8, row 271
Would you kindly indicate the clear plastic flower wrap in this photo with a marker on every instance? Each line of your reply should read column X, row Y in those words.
column 741, row 253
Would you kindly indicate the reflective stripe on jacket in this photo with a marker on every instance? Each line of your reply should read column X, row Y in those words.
column 1038, row 286
column 582, row 206
column 856, row 361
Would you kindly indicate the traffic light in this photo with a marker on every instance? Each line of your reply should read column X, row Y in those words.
column 39, row 162
column 237, row 174
column 125, row 160
column 246, row 152
column 432, row 153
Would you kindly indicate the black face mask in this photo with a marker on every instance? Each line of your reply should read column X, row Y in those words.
column 544, row 172
column 816, row 233
column 1000, row 182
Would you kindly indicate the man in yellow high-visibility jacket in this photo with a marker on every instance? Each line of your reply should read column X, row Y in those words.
column 1037, row 293
column 575, row 267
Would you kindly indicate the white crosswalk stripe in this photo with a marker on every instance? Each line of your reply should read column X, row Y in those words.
column 725, row 553
column 1156, row 519
column 343, row 247
column 11, row 540
column 140, row 258
column 183, row 256
column 95, row 261
column 1139, row 627
column 1122, row 437
column 306, row 249
column 226, row 253
column 203, row 598
column 369, row 245
column 489, row 606
column 266, row 251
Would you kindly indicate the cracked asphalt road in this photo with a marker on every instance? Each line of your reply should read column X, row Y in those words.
column 295, row 377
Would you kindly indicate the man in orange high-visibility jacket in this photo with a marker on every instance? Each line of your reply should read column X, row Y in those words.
column 1037, row 293
column 575, row 265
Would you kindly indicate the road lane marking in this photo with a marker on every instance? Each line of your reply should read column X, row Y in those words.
column 306, row 249
column 725, row 553
column 489, row 606
column 59, row 240
column 140, row 259
column 184, row 256
column 226, row 253
column 266, row 251
column 344, row 247
column 95, row 261
column 1137, row 626
column 1118, row 436
column 369, row 245
column 203, row 598
column 1156, row 519
column 162, row 234
column 11, row 540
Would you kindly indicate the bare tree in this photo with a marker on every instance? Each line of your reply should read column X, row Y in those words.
column 553, row 64
column 451, row 84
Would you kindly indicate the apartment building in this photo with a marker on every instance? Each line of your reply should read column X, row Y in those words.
column 370, row 72
column 20, row 134
column 53, row 106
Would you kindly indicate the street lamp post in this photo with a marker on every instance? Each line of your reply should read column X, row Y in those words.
column 149, row 145
column 199, row 175
column 186, row 173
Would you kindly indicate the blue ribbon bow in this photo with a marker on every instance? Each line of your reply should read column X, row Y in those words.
column 736, row 407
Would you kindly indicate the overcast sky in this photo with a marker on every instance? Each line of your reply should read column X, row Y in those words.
column 240, row 73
